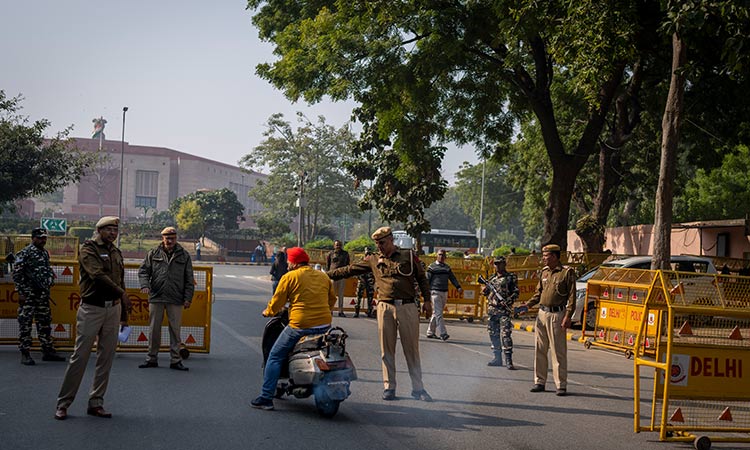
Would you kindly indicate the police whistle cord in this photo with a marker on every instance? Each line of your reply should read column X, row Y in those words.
column 512, row 312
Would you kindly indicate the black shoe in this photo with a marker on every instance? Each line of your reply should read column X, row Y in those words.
column 178, row 366
column 262, row 403
column 148, row 364
column 356, row 315
column 511, row 366
column 26, row 359
column 562, row 392
column 497, row 362
column 341, row 314
column 444, row 336
column 421, row 395
column 52, row 356
column 537, row 388
column 432, row 336
column 389, row 394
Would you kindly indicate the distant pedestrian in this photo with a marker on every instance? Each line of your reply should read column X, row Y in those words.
column 335, row 259
column 278, row 269
column 166, row 275
column 198, row 250
column 438, row 274
column 34, row 277
column 365, row 286
column 556, row 296
column 102, row 286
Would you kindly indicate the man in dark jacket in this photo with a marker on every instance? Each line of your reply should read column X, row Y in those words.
column 166, row 275
column 102, row 287
column 338, row 258
column 438, row 274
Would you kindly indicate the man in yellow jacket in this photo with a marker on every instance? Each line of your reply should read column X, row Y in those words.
column 311, row 298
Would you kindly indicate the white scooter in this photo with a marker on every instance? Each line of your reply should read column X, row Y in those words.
column 319, row 365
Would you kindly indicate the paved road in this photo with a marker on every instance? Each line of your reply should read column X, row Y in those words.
column 476, row 407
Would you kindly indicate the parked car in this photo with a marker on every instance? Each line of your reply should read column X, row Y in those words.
column 679, row 263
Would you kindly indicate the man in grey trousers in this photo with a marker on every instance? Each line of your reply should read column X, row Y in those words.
column 166, row 275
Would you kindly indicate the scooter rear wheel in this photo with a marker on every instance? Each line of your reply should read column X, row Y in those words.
column 325, row 406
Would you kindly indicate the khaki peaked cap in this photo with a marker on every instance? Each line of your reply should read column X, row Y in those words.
column 108, row 221
column 382, row 232
column 168, row 231
column 551, row 248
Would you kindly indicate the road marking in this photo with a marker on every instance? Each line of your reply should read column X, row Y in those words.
column 230, row 276
column 245, row 340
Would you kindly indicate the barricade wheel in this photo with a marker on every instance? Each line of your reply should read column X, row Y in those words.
column 629, row 354
column 587, row 344
column 470, row 320
column 702, row 443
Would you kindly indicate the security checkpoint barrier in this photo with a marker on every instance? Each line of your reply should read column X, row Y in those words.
column 196, row 321
column 704, row 352
column 619, row 295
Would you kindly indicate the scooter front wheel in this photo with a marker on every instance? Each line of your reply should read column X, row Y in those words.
column 325, row 406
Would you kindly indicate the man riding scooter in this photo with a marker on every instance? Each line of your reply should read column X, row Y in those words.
column 311, row 299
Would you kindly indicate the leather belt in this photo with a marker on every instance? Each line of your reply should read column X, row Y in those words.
column 104, row 304
column 396, row 301
column 552, row 309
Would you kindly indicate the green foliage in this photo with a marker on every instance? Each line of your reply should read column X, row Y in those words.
column 360, row 244
column 313, row 154
column 319, row 244
column 189, row 218
column 287, row 240
column 271, row 226
column 454, row 254
column 721, row 193
column 29, row 165
column 218, row 210
column 448, row 213
column 506, row 250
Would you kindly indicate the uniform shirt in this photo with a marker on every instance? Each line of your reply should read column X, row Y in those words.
column 337, row 259
column 32, row 272
column 438, row 274
column 506, row 284
column 394, row 276
column 102, row 272
column 556, row 287
column 310, row 296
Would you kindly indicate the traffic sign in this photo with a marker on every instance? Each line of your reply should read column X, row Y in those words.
column 52, row 224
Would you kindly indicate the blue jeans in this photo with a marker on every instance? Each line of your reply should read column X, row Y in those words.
column 279, row 353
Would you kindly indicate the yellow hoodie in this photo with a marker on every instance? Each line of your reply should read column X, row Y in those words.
column 310, row 295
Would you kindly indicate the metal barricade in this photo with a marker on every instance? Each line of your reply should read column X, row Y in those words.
column 196, row 321
column 619, row 295
column 701, row 371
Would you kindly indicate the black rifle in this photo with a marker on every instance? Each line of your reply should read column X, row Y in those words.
column 511, row 311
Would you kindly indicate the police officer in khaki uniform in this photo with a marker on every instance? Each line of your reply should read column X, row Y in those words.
column 102, row 287
column 556, row 296
column 395, row 272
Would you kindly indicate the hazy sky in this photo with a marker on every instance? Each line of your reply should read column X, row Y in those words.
column 185, row 69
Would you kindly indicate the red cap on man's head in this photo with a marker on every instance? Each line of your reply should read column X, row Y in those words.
column 297, row 255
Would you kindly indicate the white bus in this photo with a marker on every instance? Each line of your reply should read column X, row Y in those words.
column 449, row 240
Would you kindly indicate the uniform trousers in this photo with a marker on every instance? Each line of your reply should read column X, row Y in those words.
column 340, row 285
column 550, row 334
column 174, row 318
column 91, row 322
column 437, row 322
column 393, row 321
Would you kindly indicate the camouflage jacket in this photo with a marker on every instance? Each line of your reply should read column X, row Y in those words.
column 507, row 285
column 32, row 272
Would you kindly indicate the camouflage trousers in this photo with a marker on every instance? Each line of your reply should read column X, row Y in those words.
column 363, row 287
column 500, row 328
column 35, row 309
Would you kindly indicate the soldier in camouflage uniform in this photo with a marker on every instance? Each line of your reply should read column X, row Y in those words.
column 499, row 311
column 34, row 277
column 365, row 283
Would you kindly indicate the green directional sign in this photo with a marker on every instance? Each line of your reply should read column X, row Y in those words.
column 52, row 224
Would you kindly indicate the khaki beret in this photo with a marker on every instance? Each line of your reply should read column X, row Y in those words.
column 551, row 248
column 168, row 230
column 382, row 232
column 107, row 221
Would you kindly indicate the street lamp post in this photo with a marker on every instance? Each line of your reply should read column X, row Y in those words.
column 481, row 211
column 122, row 167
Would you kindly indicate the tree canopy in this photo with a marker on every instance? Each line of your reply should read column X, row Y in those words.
column 29, row 164
column 217, row 210
column 312, row 154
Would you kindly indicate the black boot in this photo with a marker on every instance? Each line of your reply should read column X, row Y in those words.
column 51, row 355
column 498, row 361
column 26, row 358
column 356, row 310
column 509, row 361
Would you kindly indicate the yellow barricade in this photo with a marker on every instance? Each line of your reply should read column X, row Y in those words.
column 196, row 321
column 619, row 295
column 701, row 378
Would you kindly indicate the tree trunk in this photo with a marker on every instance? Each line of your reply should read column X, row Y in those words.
column 670, row 126
column 557, row 212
